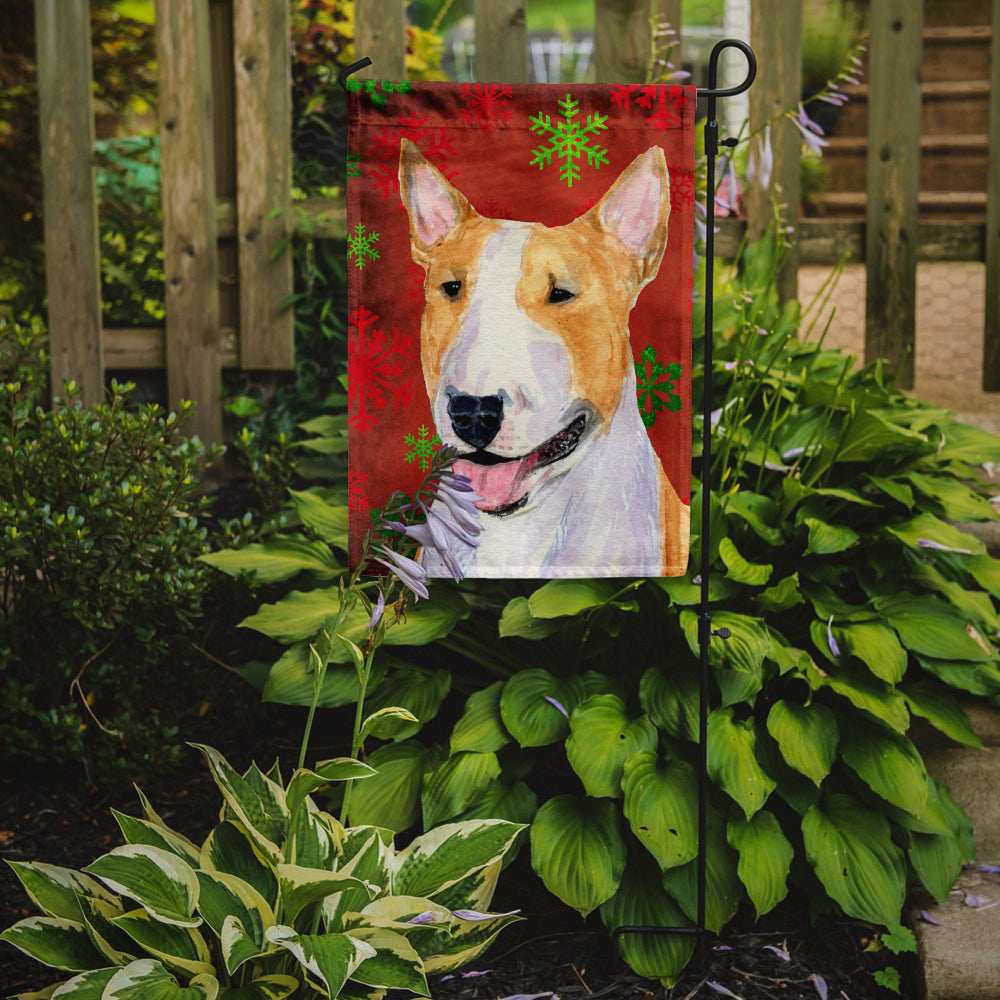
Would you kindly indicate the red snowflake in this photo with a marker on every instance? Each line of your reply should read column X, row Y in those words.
column 486, row 104
column 415, row 288
column 650, row 94
column 436, row 144
column 682, row 187
column 357, row 487
column 374, row 367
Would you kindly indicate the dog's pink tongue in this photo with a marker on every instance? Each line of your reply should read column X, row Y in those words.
column 498, row 485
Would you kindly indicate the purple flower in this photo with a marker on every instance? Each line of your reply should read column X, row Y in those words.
column 811, row 132
column 719, row 988
column 834, row 648
column 475, row 915
column 377, row 611
column 427, row 917
column 927, row 543
column 761, row 163
column 410, row 572
column 552, row 701
column 820, row 983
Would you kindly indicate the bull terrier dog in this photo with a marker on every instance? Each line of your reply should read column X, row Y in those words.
column 524, row 345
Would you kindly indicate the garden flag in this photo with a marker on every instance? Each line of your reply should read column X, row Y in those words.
column 520, row 273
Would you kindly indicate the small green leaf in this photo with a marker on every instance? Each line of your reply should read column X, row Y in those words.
column 671, row 700
column 807, row 736
column 456, row 784
column 391, row 798
column 732, row 760
column 279, row 558
column 765, row 858
column 535, row 706
column 481, row 727
column 888, row 763
column 827, row 539
column 739, row 569
column 932, row 628
column 559, row 598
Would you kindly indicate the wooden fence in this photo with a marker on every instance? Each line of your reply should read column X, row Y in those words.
column 226, row 161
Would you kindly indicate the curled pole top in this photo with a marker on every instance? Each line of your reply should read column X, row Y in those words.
column 712, row 91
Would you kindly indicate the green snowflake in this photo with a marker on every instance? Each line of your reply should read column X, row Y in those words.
column 423, row 448
column 361, row 245
column 654, row 390
column 569, row 140
column 353, row 165
column 378, row 91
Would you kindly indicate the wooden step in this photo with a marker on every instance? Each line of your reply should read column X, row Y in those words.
column 956, row 53
column 945, row 103
column 940, row 13
column 958, row 206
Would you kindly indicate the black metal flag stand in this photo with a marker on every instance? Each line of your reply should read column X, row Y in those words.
column 705, row 631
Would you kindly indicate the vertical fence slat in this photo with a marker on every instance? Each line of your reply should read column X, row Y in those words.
column 991, row 332
column 501, row 41
column 893, row 183
column 380, row 34
column 776, row 35
column 190, row 253
column 621, row 40
column 261, row 57
column 72, row 256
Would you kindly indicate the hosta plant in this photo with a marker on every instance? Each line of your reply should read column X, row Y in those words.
column 279, row 900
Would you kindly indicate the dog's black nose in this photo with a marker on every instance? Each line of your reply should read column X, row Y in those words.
column 476, row 419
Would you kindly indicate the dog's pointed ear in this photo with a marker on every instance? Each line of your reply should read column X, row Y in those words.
column 636, row 209
column 434, row 206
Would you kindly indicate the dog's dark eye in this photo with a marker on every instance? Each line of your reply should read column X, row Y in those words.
column 451, row 288
column 561, row 295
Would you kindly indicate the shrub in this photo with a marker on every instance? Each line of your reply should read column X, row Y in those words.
column 280, row 899
column 99, row 539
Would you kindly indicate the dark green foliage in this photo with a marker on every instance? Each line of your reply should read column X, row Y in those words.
column 99, row 540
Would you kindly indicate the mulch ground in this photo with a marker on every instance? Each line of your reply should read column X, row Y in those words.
column 551, row 952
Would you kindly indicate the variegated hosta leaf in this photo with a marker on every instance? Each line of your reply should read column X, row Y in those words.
column 300, row 887
column 177, row 947
column 395, row 964
column 158, row 880
column 466, row 941
column 329, row 959
column 274, row 987
column 315, row 838
column 535, row 706
column 642, row 902
column 888, row 763
column 391, row 799
column 723, row 889
column 456, row 784
column 661, row 799
column 86, row 986
column 56, row 891
column 807, row 736
column 54, row 941
column 850, row 847
column 475, row 891
column 578, row 851
column 225, row 897
column 481, row 727
column 304, row 782
column 116, row 946
column 602, row 737
column 765, row 858
column 732, row 760
column 230, row 849
column 147, row 979
column 441, row 857
column 141, row 831
column 367, row 853
column 417, row 690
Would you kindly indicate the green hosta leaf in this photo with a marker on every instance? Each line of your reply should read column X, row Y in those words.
column 671, row 700
column 965, row 443
column 758, row 511
column 292, row 681
column 865, row 692
column 578, row 851
column 888, row 763
column 259, row 805
column 517, row 620
column 54, row 941
column 876, row 646
column 783, row 595
column 765, row 858
column 559, row 598
column 661, row 799
column 415, row 689
column 279, row 558
column 386, row 723
column 177, row 947
column 327, row 520
column 937, row 859
column 941, row 709
column 641, row 901
column 300, row 615
column 893, row 488
column 230, row 849
column 976, row 678
column 141, row 831
column 275, row 987
column 931, row 628
column 986, row 571
column 739, row 569
column 528, row 710
column 441, row 857
column 732, row 760
column 975, row 605
column 827, row 539
column 391, row 798
column 56, row 891
column 807, row 736
column 301, row 887
column 481, row 728
column 956, row 500
column 723, row 889
column 456, row 784
column 147, row 979
column 159, row 881
column 330, row 959
column 870, row 436
column 850, row 848
column 516, row 803
column 225, row 897
column 738, row 661
column 395, row 964
column 928, row 528
column 602, row 738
